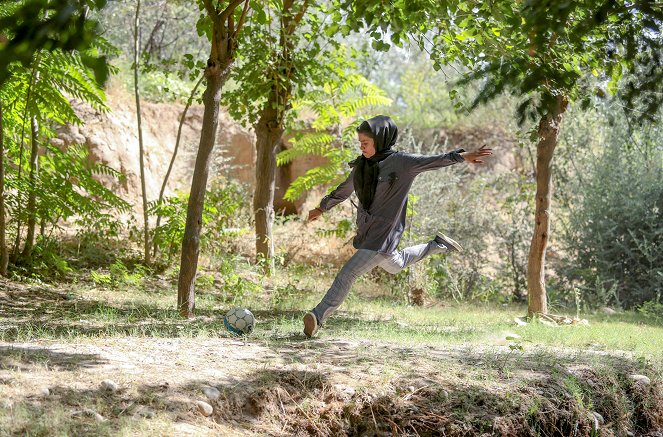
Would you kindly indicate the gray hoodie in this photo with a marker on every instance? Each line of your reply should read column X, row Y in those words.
column 382, row 228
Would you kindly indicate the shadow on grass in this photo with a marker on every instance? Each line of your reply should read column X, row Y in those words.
column 28, row 358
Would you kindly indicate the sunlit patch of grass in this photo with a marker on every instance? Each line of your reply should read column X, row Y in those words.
column 284, row 299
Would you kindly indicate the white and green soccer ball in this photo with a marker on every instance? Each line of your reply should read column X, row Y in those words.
column 239, row 321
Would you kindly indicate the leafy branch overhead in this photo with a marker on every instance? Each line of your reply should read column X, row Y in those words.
column 29, row 26
column 537, row 50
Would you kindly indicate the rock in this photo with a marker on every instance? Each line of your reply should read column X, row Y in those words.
column 345, row 389
column 595, row 424
column 144, row 411
column 640, row 379
column 520, row 322
column 598, row 417
column 109, row 385
column 608, row 311
column 88, row 413
column 44, row 391
column 212, row 393
column 204, row 408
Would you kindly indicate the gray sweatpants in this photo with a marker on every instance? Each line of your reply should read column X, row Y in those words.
column 364, row 261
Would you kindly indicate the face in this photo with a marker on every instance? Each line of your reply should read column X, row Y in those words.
column 366, row 144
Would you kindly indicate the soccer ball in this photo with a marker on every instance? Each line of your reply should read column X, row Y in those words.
column 239, row 321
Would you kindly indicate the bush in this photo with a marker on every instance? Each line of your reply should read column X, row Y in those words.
column 225, row 208
column 614, row 232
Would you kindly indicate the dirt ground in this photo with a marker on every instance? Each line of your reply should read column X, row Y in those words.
column 299, row 387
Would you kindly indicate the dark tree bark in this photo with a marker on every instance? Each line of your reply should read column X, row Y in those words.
column 4, row 254
column 32, row 195
column 224, row 36
column 269, row 131
column 549, row 127
column 268, row 134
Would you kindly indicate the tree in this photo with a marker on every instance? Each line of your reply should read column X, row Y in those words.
column 290, row 53
column 282, row 56
column 64, row 186
column 548, row 54
column 4, row 255
column 222, row 23
column 141, row 149
column 32, row 25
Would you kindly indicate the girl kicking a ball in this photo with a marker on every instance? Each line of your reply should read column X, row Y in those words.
column 382, row 178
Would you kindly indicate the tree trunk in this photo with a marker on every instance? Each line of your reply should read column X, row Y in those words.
column 141, row 149
column 268, row 134
column 548, row 132
column 194, row 217
column 32, row 195
column 4, row 255
column 224, row 38
column 269, row 131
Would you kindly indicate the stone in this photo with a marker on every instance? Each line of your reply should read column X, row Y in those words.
column 608, row 311
column 598, row 417
column 204, row 408
column 88, row 413
column 144, row 411
column 520, row 322
column 212, row 393
column 109, row 385
column 345, row 390
column 640, row 379
column 45, row 391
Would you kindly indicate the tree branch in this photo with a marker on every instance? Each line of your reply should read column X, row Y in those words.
column 211, row 10
column 294, row 22
column 229, row 10
column 241, row 20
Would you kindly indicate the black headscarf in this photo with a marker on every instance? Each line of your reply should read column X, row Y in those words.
column 384, row 132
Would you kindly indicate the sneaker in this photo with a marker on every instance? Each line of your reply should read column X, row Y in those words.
column 448, row 242
column 310, row 325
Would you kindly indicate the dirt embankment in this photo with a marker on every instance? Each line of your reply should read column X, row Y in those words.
column 112, row 139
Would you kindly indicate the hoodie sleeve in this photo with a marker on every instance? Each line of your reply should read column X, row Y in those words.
column 340, row 193
column 420, row 163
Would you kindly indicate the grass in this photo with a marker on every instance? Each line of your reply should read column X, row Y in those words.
column 143, row 311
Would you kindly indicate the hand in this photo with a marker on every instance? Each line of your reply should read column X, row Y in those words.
column 314, row 214
column 475, row 157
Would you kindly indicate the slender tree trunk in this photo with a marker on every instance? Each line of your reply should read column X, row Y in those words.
column 269, row 131
column 548, row 132
column 194, row 218
column 141, row 149
column 268, row 134
column 32, row 195
column 28, row 100
column 4, row 255
column 172, row 159
column 224, row 36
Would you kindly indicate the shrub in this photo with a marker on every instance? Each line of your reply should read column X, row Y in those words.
column 614, row 232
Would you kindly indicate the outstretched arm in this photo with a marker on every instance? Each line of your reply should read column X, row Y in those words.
column 476, row 156
column 342, row 192
column 421, row 163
